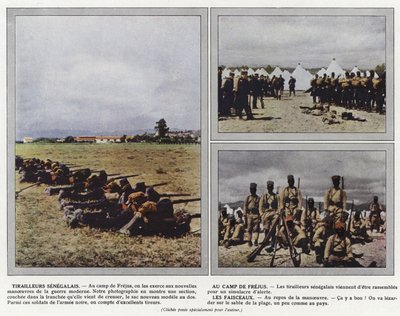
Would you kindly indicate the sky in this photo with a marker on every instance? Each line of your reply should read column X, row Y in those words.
column 310, row 40
column 364, row 172
column 106, row 73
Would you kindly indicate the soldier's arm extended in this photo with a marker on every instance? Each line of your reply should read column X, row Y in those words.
column 303, row 219
column 344, row 198
column 282, row 199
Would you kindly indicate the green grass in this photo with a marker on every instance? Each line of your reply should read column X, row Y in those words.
column 44, row 240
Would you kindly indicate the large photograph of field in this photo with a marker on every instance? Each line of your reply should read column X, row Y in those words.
column 303, row 209
column 107, row 140
column 302, row 73
column 44, row 238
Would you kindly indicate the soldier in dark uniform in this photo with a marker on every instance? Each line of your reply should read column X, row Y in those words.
column 292, row 86
column 314, row 88
column 242, row 92
column 228, row 97
column 220, row 99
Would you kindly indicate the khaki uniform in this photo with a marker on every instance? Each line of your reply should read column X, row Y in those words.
column 296, row 234
column 238, row 230
column 268, row 209
column 335, row 202
column 310, row 217
column 319, row 239
column 358, row 227
column 291, row 201
column 225, row 228
column 251, row 211
column 338, row 250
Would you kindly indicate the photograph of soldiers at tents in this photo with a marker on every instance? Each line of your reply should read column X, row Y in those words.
column 319, row 226
column 94, row 198
column 353, row 89
column 263, row 78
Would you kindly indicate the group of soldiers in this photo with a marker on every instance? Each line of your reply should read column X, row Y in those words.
column 96, row 199
column 330, row 233
column 242, row 93
column 353, row 91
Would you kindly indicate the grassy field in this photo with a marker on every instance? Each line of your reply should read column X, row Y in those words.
column 44, row 240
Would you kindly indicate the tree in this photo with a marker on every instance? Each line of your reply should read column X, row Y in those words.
column 161, row 128
column 69, row 139
column 379, row 69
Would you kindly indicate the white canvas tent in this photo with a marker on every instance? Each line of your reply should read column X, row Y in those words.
column 286, row 75
column 225, row 72
column 321, row 72
column 236, row 72
column 375, row 74
column 303, row 78
column 277, row 72
column 355, row 69
column 250, row 71
column 334, row 67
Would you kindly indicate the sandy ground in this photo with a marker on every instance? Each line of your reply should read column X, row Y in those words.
column 235, row 256
column 42, row 238
column 285, row 116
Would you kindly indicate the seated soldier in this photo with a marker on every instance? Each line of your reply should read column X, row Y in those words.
column 225, row 226
column 320, row 237
column 338, row 248
column 295, row 233
column 358, row 227
column 238, row 226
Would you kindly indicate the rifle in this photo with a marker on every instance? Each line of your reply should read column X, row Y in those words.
column 157, row 185
column 185, row 200
column 120, row 177
column 29, row 186
column 292, row 249
column 173, row 194
column 342, row 183
column 252, row 256
column 298, row 182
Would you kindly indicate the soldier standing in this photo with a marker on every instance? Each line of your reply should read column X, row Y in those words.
column 290, row 199
column 375, row 210
column 252, row 214
column 314, row 88
column 268, row 207
column 335, row 199
column 242, row 90
column 292, row 86
column 228, row 97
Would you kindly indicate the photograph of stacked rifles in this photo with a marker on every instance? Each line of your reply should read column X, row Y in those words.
column 297, row 230
column 350, row 91
column 107, row 201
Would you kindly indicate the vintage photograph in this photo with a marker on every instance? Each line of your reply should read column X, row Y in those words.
column 313, row 208
column 319, row 73
column 108, row 138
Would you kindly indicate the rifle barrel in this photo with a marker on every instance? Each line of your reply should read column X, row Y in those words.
column 157, row 184
column 185, row 200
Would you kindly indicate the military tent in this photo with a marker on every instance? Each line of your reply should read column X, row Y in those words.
column 321, row 72
column 250, row 71
column 334, row 67
column 303, row 78
column 277, row 72
column 286, row 75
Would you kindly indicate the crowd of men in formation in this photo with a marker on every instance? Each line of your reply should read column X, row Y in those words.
column 96, row 199
column 353, row 91
column 330, row 232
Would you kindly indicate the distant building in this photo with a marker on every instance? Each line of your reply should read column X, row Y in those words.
column 108, row 139
column 85, row 139
column 28, row 140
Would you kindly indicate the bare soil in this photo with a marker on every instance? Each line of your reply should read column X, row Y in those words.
column 285, row 116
